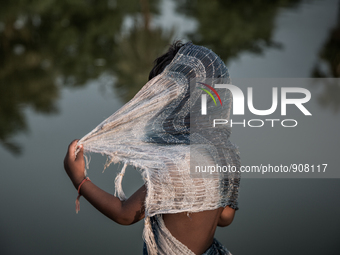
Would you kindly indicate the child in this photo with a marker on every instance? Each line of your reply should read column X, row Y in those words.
column 173, row 233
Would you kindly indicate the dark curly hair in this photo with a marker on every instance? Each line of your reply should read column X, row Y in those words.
column 161, row 62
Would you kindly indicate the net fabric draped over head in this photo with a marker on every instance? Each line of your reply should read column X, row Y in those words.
column 157, row 130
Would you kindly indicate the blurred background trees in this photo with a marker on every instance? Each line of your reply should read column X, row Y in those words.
column 232, row 27
column 328, row 65
column 46, row 45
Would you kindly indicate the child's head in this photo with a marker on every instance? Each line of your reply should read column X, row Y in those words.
column 161, row 62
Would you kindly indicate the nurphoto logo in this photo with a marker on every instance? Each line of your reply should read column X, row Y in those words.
column 239, row 104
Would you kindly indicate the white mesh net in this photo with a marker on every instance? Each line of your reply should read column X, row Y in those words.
column 161, row 132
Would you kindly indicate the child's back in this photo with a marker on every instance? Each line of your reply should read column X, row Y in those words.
column 196, row 230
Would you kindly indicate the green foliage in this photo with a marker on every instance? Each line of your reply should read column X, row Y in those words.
column 136, row 53
column 44, row 41
column 232, row 27
column 329, row 56
column 72, row 41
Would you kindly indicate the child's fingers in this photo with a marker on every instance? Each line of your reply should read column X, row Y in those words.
column 71, row 149
column 80, row 153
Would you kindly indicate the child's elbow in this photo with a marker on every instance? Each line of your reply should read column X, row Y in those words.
column 124, row 219
column 226, row 217
column 124, row 222
column 224, row 223
column 127, row 218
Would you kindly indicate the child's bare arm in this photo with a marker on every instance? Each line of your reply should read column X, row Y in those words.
column 226, row 217
column 123, row 212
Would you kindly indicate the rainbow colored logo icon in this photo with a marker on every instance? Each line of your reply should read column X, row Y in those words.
column 209, row 93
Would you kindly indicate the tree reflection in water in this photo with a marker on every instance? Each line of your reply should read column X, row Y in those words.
column 45, row 41
column 329, row 66
column 232, row 27
column 72, row 41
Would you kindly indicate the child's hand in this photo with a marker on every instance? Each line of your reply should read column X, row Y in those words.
column 75, row 166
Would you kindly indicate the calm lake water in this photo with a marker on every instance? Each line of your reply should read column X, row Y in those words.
column 66, row 66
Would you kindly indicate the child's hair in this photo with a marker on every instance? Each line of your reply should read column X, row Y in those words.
column 161, row 62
